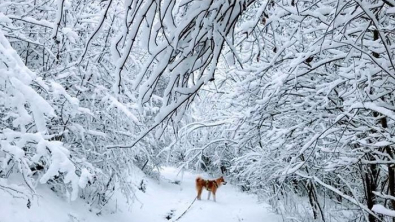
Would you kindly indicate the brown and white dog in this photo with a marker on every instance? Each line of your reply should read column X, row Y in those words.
column 210, row 185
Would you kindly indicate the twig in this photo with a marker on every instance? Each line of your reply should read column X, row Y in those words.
column 185, row 210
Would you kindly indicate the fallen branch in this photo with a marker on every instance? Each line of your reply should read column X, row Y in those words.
column 185, row 210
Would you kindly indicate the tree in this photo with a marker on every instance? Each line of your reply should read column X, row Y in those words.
column 306, row 89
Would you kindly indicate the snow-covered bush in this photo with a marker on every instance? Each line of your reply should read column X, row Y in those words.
column 27, row 147
column 58, row 120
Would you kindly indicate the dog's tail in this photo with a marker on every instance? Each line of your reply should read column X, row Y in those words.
column 198, row 179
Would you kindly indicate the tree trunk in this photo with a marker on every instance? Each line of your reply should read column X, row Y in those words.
column 370, row 187
column 391, row 172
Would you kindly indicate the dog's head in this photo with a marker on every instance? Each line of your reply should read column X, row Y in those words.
column 222, row 180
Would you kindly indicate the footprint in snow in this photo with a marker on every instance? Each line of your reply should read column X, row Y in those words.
column 170, row 214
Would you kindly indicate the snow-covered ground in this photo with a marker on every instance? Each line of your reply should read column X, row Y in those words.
column 231, row 205
column 163, row 201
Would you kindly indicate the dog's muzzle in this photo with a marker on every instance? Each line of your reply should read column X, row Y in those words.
column 224, row 183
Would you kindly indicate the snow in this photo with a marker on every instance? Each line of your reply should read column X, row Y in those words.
column 378, row 208
column 391, row 10
column 169, row 197
column 4, row 19
column 86, row 111
column 59, row 163
column 231, row 205
column 382, row 143
column 374, row 107
column 123, row 108
column 71, row 35
column 49, row 207
column 11, row 149
column 39, row 106
column 293, row 169
column 309, row 143
column 84, row 178
column 58, row 89
column 41, row 22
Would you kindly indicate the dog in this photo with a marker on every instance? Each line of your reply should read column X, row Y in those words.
column 210, row 185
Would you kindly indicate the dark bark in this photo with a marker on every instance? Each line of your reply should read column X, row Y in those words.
column 371, row 186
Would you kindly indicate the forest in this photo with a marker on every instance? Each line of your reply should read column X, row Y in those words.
column 291, row 100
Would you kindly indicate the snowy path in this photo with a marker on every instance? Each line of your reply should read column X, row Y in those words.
column 161, row 199
column 171, row 199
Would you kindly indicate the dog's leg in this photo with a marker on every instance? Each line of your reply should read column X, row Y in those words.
column 199, row 193
column 214, row 191
column 209, row 195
